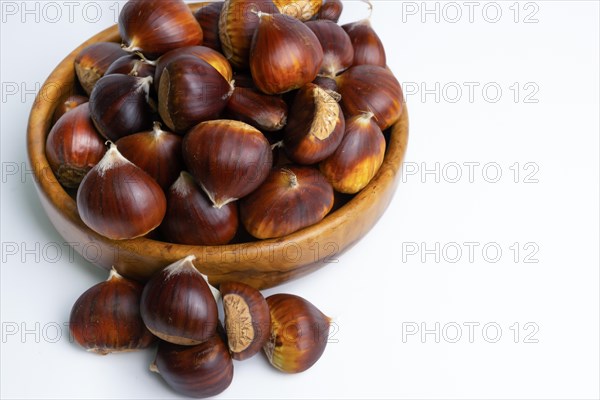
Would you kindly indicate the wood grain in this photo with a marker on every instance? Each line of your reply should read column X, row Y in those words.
column 262, row 264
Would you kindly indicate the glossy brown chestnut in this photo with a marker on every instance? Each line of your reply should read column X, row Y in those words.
column 331, row 10
column 303, row 10
column 106, row 317
column 291, row 198
column 338, row 54
column 237, row 24
column 157, row 152
column 368, row 49
column 119, row 105
column 200, row 371
column 214, row 58
column 368, row 88
column 192, row 219
column 191, row 91
column 285, row 54
column 299, row 333
column 208, row 17
column 93, row 61
column 228, row 159
column 316, row 126
column 132, row 65
column 264, row 112
column 178, row 306
column 74, row 146
column 67, row 105
column 358, row 158
column 247, row 319
column 155, row 27
column 119, row 200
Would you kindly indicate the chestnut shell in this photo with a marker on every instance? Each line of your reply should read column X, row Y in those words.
column 106, row 317
column 290, row 199
column 228, row 159
column 73, row 146
column 200, row 371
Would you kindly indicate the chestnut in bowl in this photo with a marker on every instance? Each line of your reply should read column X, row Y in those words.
column 272, row 261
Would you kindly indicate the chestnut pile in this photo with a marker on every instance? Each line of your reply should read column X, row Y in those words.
column 240, row 120
column 178, row 308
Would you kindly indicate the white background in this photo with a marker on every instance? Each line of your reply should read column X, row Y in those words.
column 380, row 290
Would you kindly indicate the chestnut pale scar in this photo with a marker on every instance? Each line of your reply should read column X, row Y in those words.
column 238, row 322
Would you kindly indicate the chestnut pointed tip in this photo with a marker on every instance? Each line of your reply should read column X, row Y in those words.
column 154, row 368
column 114, row 274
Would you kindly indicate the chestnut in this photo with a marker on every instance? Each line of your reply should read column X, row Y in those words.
column 338, row 54
column 106, row 317
column 191, row 218
column 73, row 146
column 303, row 10
column 213, row 57
column 329, row 84
column 178, row 306
column 359, row 156
column 157, row 152
column 208, row 16
column 67, row 105
column 237, row 24
column 291, row 198
column 267, row 113
column 154, row 27
column 191, row 91
column 132, row 65
column 315, row 127
column 368, row 49
column 119, row 200
column 285, row 54
column 331, row 10
column 369, row 88
column 200, row 371
column 247, row 319
column 119, row 105
column 93, row 61
column 299, row 333
column 228, row 159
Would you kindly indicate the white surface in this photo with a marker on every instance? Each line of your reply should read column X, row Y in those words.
column 377, row 290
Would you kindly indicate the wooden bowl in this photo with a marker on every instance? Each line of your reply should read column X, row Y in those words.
column 262, row 264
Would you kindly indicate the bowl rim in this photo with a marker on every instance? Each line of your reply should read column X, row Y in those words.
column 63, row 77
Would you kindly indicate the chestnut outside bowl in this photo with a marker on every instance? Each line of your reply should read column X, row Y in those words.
column 262, row 263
